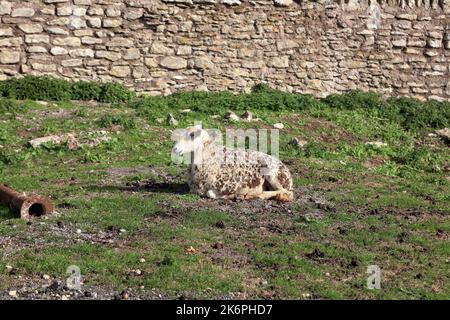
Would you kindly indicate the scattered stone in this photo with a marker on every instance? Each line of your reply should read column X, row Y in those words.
column 297, row 142
column 141, row 260
column 278, row 126
column 220, row 224
column 78, row 231
column 247, row 116
column 185, row 110
column 217, row 245
column 191, row 249
column 122, row 230
column 230, row 115
column 12, row 293
column 376, row 144
column 171, row 120
column 48, row 139
column 46, row 277
column 444, row 133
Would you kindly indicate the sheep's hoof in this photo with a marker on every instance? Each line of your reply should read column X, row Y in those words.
column 285, row 197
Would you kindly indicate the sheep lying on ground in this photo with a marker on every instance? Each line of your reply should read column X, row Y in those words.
column 219, row 172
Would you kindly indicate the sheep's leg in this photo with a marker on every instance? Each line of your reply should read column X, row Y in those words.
column 284, row 195
column 279, row 195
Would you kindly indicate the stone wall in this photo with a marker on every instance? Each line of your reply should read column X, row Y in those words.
column 395, row 47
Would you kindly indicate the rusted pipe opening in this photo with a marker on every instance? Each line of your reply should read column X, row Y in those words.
column 36, row 210
column 26, row 206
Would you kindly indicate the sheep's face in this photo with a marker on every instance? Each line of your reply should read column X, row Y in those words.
column 190, row 140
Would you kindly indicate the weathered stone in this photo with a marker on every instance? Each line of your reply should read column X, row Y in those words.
column 150, row 62
column 31, row 28
column 68, row 41
column 79, row 12
column 120, row 42
column 81, row 53
column 57, row 51
column 58, row 22
column 71, row 63
column 407, row 16
column 94, row 22
column 184, row 50
column 5, row 7
column 287, row 44
column 36, row 49
column 55, row 1
column 22, row 12
column 9, row 57
column 283, row 3
column 120, row 71
column 37, row 38
column 95, row 11
column 64, row 11
column 113, row 11
column 159, row 48
column 11, row 42
column 173, row 63
column 76, row 23
column 434, row 43
column 6, row 32
column 202, row 63
column 112, row 23
column 43, row 67
column 82, row 2
column 279, row 62
column 399, row 43
column 109, row 55
column 131, row 54
column 133, row 14
column 91, row 40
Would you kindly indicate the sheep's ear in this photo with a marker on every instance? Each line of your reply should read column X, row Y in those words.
column 214, row 134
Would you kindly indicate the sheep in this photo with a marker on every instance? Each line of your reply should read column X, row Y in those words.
column 219, row 172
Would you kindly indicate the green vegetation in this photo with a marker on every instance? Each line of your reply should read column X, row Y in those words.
column 385, row 204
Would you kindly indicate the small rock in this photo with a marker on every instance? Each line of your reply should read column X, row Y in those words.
column 247, row 116
column 219, row 224
column 124, row 295
column 141, row 260
column 64, row 297
column 46, row 277
column 185, row 110
column 138, row 272
column 376, row 144
column 72, row 142
column 171, row 120
column 297, row 142
column 78, row 231
column 122, row 230
column 278, row 126
column 12, row 293
column 230, row 115
column 159, row 120
column 191, row 249
column 217, row 245
column 444, row 133
column 39, row 141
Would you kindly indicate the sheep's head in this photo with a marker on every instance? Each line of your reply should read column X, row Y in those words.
column 191, row 139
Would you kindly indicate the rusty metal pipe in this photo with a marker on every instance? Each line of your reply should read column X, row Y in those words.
column 27, row 206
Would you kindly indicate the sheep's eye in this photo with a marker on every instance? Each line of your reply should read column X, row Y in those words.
column 192, row 134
